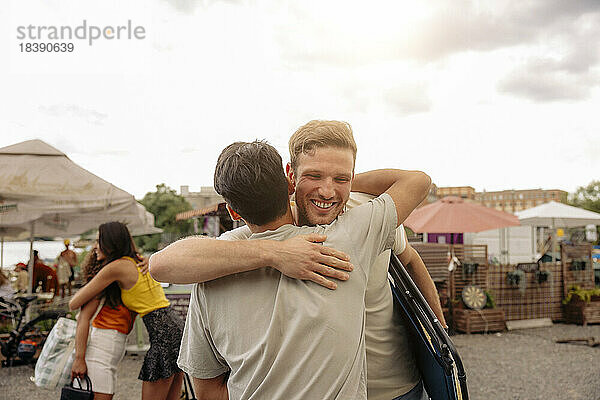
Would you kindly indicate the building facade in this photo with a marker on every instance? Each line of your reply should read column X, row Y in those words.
column 465, row 192
column 505, row 200
column 206, row 197
column 516, row 200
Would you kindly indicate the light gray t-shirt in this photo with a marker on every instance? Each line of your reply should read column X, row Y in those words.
column 284, row 338
column 391, row 367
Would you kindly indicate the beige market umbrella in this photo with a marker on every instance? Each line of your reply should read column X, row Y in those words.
column 44, row 193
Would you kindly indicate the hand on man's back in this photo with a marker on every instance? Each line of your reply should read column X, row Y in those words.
column 304, row 257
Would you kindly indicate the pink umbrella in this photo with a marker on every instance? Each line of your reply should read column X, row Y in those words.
column 453, row 215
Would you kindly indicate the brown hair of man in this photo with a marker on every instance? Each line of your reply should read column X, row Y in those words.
column 320, row 133
column 250, row 177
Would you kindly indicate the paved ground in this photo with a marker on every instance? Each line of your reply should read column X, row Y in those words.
column 524, row 364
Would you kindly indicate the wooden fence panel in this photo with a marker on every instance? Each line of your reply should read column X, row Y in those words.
column 537, row 301
column 436, row 257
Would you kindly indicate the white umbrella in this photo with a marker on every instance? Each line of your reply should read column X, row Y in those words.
column 44, row 193
column 557, row 215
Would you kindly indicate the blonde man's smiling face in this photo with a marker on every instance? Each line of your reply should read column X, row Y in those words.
column 322, row 180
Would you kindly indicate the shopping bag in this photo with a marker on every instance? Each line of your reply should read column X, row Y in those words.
column 70, row 392
column 53, row 367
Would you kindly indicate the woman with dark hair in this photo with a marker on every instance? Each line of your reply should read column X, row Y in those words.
column 162, row 378
column 99, row 356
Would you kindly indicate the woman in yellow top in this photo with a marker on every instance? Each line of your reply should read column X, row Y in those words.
column 141, row 294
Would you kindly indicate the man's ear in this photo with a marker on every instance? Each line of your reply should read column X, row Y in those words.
column 290, row 172
column 291, row 179
column 234, row 216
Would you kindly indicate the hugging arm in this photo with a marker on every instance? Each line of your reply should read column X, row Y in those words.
column 200, row 259
column 407, row 188
column 93, row 288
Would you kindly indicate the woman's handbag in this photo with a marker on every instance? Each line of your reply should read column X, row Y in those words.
column 53, row 367
column 70, row 392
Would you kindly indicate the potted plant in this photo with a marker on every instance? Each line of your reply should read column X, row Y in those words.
column 516, row 278
column 542, row 276
column 582, row 306
column 577, row 294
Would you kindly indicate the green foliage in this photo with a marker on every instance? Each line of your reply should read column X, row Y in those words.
column 584, row 295
column 165, row 204
column 587, row 197
column 490, row 302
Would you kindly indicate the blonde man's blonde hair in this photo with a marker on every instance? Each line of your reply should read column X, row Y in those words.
column 319, row 133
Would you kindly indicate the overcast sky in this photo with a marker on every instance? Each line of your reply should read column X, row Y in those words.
column 492, row 94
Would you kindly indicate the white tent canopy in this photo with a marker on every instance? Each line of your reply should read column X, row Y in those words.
column 555, row 214
column 44, row 193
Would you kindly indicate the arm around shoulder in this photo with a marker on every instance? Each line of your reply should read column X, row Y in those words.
column 107, row 275
column 407, row 188
column 199, row 259
column 408, row 192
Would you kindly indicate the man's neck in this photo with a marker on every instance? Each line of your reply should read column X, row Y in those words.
column 287, row 218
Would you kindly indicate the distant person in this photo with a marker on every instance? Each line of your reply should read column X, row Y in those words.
column 6, row 290
column 22, row 278
column 65, row 262
column 162, row 378
column 44, row 277
column 98, row 352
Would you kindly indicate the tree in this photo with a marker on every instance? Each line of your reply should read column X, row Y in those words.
column 587, row 197
column 165, row 204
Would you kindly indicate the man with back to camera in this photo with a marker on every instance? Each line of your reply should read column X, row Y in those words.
column 322, row 189
column 308, row 341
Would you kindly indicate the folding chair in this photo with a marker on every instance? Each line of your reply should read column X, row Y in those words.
column 440, row 365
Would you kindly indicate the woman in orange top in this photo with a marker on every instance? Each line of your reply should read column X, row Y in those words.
column 162, row 378
column 99, row 356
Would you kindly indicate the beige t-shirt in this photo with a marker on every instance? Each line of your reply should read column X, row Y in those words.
column 391, row 366
column 284, row 338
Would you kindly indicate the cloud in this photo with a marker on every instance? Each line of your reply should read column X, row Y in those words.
column 451, row 28
column 571, row 75
column 408, row 98
column 539, row 85
column 72, row 110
